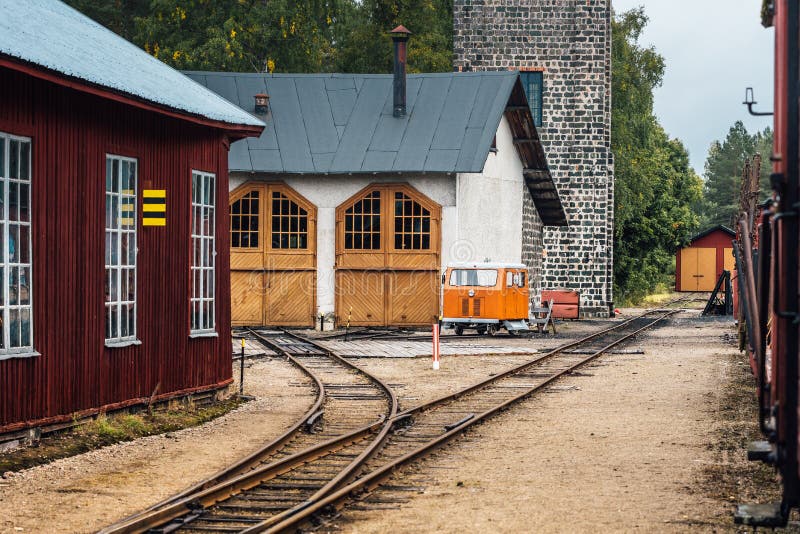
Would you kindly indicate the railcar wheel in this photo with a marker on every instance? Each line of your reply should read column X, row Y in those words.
column 459, row 330
column 493, row 330
column 481, row 330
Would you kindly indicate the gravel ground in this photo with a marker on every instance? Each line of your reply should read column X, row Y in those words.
column 619, row 448
column 87, row 492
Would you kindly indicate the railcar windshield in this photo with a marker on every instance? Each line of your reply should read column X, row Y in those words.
column 473, row 277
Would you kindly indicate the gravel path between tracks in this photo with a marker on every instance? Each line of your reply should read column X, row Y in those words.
column 87, row 492
column 621, row 448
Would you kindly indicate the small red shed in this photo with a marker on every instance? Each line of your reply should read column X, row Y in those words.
column 699, row 264
column 114, row 275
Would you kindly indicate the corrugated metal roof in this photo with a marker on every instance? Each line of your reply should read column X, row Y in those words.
column 343, row 123
column 52, row 35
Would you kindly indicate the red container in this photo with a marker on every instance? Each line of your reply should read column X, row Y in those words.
column 566, row 303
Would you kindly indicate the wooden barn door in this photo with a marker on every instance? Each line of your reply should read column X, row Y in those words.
column 728, row 261
column 388, row 249
column 273, row 256
column 698, row 269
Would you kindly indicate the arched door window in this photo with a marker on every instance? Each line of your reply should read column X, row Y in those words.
column 289, row 223
column 362, row 223
column 244, row 221
column 412, row 224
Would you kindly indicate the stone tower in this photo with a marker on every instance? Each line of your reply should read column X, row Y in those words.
column 563, row 48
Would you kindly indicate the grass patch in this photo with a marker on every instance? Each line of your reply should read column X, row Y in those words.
column 109, row 429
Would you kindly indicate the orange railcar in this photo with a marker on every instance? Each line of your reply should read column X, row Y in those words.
column 486, row 297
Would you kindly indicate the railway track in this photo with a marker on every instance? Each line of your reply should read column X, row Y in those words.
column 302, row 484
column 352, row 410
column 423, row 429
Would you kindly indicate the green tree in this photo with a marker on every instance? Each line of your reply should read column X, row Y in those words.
column 366, row 46
column 723, row 172
column 117, row 15
column 281, row 35
column 655, row 188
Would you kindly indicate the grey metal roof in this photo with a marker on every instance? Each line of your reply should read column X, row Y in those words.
column 343, row 123
column 52, row 35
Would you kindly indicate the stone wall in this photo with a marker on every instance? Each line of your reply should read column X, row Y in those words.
column 570, row 41
column 532, row 244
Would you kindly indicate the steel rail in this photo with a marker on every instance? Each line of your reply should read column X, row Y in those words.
column 377, row 476
column 247, row 473
column 246, row 463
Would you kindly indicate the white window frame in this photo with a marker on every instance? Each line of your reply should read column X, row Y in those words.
column 5, row 262
column 203, row 267
column 113, row 271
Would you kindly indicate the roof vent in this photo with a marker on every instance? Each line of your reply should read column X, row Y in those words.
column 262, row 103
column 400, row 38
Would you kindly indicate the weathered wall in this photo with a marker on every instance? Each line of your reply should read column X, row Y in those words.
column 570, row 41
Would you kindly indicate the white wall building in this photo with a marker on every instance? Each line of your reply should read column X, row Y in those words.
column 343, row 209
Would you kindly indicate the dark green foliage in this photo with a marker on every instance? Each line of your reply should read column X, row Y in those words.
column 281, row 35
column 723, row 172
column 116, row 15
column 655, row 188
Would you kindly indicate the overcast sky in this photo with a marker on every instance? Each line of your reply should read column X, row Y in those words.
column 714, row 49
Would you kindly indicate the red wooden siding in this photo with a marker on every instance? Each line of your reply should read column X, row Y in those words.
column 71, row 133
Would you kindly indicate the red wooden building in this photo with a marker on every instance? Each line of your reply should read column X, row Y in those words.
column 699, row 264
column 110, row 295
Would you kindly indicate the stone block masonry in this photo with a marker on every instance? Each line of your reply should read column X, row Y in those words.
column 570, row 42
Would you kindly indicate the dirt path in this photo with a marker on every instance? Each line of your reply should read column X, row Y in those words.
column 87, row 492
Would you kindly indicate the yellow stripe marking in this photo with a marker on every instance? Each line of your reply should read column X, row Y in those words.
column 154, row 207
column 154, row 193
column 154, row 222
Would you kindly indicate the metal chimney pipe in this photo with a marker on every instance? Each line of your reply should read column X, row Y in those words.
column 400, row 38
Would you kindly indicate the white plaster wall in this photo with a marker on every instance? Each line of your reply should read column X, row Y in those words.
column 328, row 192
column 490, row 206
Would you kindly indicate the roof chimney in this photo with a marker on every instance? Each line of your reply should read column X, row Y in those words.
column 400, row 38
column 262, row 103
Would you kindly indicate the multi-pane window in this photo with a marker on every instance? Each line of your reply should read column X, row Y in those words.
column 244, row 221
column 203, row 252
column 533, row 83
column 16, row 313
column 362, row 223
column 289, row 223
column 412, row 224
column 120, row 257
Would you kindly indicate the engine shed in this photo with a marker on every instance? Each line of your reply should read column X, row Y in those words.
column 114, row 255
column 699, row 264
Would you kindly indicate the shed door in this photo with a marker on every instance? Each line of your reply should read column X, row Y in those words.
column 728, row 261
column 387, row 257
column 273, row 256
column 698, row 269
